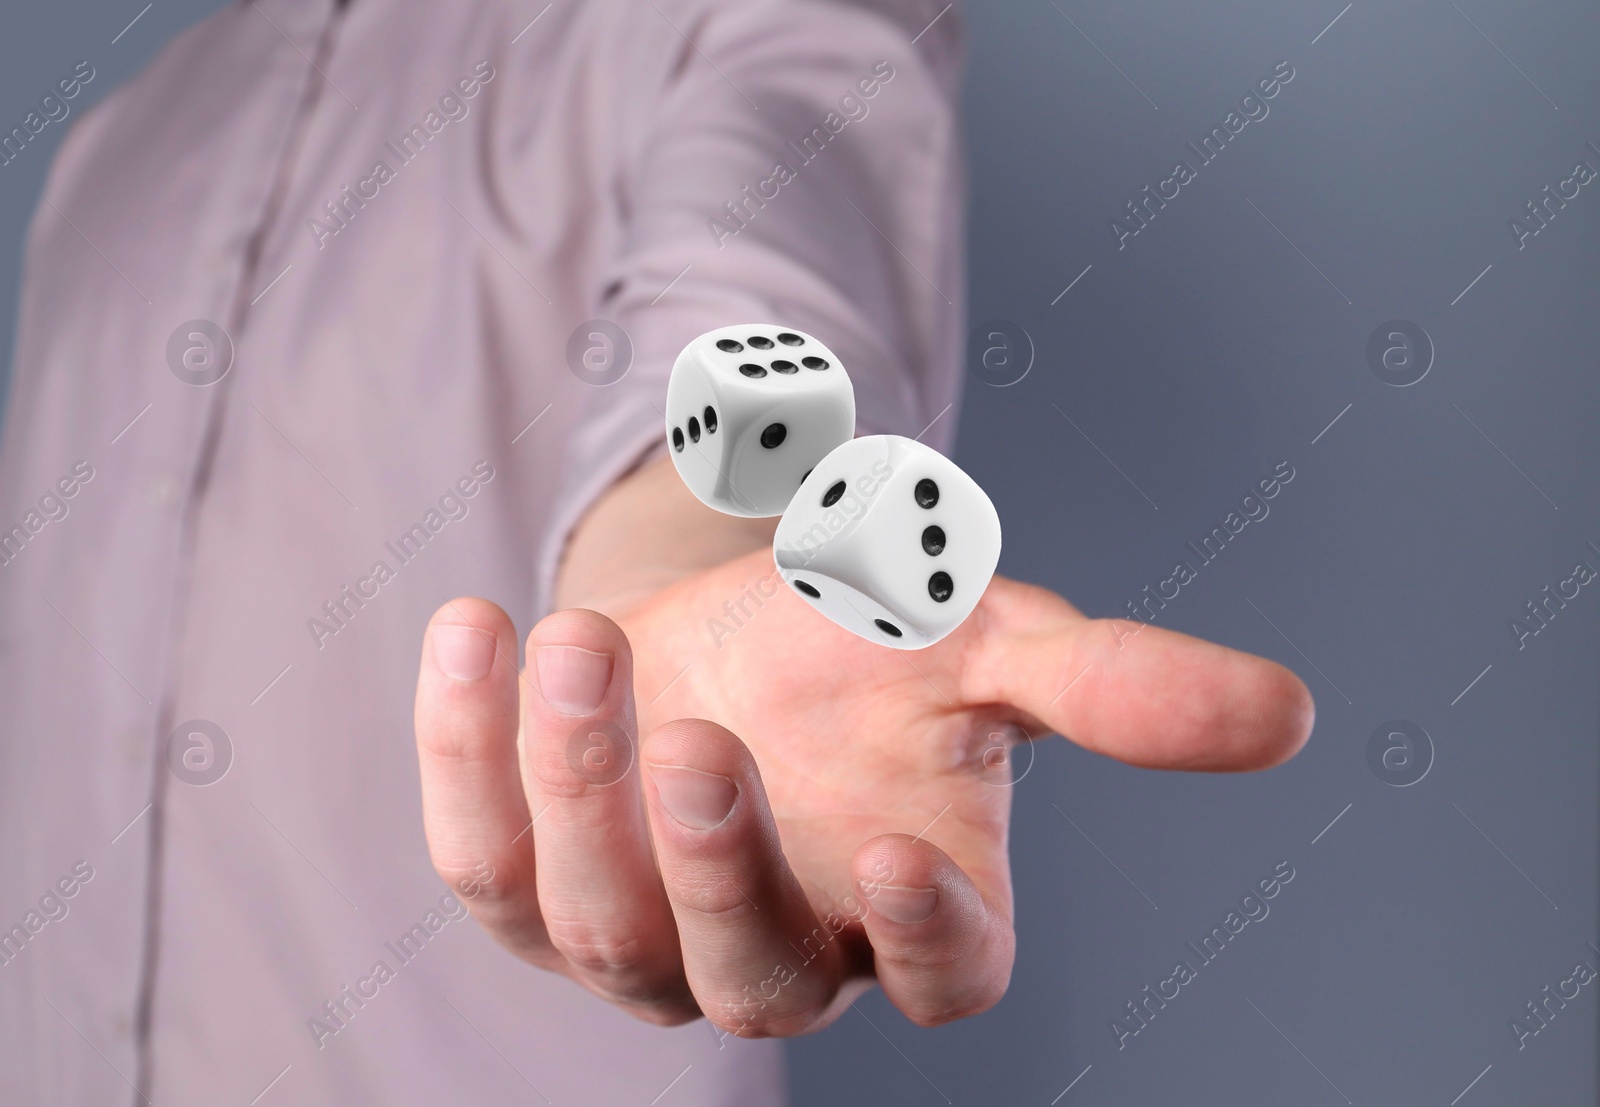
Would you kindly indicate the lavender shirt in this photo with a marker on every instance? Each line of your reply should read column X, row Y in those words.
column 306, row 348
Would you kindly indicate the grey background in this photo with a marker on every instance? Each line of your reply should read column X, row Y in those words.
column 1193, row 361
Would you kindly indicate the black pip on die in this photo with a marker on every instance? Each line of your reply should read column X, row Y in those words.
column 891, row 540
column 750, row 410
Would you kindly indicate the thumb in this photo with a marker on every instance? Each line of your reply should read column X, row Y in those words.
column 1141, row 694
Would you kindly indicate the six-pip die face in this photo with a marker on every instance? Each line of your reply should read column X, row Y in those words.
column 750, row 411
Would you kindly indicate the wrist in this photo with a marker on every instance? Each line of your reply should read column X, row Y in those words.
column 646, row 533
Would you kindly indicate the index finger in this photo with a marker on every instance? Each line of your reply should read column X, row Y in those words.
column 1142, row 694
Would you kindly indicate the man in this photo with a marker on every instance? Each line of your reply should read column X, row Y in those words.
column 339, row 310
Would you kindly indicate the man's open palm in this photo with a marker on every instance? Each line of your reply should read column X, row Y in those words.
column 807, row 810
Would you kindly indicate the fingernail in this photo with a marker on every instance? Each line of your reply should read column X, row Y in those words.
column 902, row 905
column 573, row 680
column 465, row 653
column 698, row 800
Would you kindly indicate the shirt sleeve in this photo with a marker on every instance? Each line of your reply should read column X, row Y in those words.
column 791, row 162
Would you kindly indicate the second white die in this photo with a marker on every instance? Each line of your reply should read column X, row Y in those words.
column 750, row 410
column 891, row 540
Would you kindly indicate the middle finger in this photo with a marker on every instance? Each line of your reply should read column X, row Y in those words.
column 602, row 899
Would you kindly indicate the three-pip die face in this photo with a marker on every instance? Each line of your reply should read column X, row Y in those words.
column 750, row 410
column 891, row 540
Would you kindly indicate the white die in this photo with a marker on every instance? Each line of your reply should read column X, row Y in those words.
column 891, row 540
column 750, row 410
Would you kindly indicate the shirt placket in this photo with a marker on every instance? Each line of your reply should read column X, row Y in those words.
column 309, row 28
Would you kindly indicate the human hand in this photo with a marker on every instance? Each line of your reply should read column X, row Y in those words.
column 807, row 811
